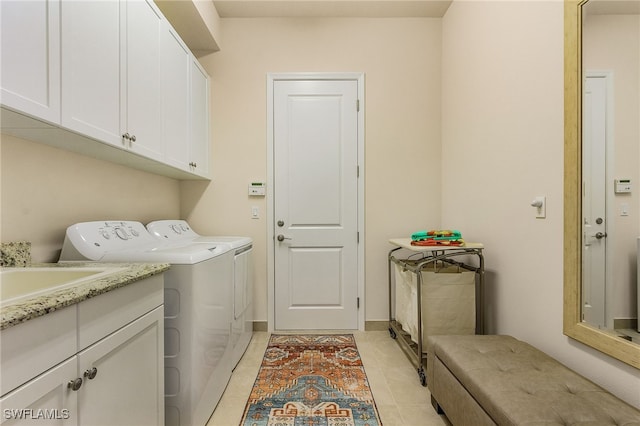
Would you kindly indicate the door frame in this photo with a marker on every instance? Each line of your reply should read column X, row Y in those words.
column 327, row 76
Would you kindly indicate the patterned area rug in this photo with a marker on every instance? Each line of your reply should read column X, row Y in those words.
column 311, row 380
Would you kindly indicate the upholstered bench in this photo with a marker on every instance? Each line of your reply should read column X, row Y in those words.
column 489, row 380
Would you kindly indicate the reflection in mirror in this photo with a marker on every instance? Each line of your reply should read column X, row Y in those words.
column 606, row 304
column 610, row 165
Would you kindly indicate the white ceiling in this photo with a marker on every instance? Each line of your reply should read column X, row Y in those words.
column 331, row 8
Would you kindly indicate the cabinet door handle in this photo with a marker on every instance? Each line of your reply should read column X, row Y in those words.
column 75, row 384
column 126, row 136
column 133, row 138
column 91, row 373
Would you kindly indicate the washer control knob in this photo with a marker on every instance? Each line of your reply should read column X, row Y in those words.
column 105, row 234
column 122, row 234
column 176, row 229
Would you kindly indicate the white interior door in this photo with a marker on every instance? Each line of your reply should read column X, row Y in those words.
column 315, row 125
column 594, row 201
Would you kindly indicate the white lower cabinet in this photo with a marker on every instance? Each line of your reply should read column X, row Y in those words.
column 118, row 379
column 122, row 375
column 46, row 399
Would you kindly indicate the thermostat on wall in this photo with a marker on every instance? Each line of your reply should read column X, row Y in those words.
column 258, row 189
column 623, row 186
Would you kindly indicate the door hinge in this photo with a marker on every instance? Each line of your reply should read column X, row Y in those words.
column 357, row 171
column 358, row 105
column 358, row 237
column 358, row 302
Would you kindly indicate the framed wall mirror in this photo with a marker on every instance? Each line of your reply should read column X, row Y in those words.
column 602, row 181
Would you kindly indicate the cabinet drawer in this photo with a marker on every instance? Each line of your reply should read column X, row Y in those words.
column 100, row 316
column 35, row 346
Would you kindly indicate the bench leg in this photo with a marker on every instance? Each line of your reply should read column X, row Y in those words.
column 436, row 406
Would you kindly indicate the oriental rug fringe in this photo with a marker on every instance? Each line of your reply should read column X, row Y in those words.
column 311, row 380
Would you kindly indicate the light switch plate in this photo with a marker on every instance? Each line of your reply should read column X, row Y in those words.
column 540, row 204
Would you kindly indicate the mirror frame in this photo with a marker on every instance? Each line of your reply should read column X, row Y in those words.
column 602, row 340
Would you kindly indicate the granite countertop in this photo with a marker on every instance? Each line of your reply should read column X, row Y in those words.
column 26, row 309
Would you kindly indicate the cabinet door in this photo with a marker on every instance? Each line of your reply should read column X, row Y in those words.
column 30, row 57
column 142, row 111
column 44, row 400
column 176, row 60
column 199, row 136
column 128, row 387
column 91, row 68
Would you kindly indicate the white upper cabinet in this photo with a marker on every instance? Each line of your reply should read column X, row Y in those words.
column 115, row 72
column 185, row 106
column 111, row 73
column 175, row 60
column 199, row 128
column 142, row 111
column 91, row 69
column 30, row 70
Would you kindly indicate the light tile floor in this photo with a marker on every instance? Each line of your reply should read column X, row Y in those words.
column 399, row 396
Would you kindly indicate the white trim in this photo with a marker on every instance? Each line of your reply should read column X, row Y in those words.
column 271, row 78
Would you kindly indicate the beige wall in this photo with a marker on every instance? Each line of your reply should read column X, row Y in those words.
column 401, row 62
column 600, row 33
column 503, row 127
column 45, row 189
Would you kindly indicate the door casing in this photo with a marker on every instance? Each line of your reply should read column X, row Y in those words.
column 271, row 78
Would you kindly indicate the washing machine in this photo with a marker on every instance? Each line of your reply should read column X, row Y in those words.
column 197, row 308
column 242, row 320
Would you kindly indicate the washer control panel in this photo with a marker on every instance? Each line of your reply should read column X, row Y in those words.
column 92, row 240
column 171, row 230
column 122, row 230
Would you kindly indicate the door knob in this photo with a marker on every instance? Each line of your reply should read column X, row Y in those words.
column 281, row 223
column 601, row 235
column 282, row 237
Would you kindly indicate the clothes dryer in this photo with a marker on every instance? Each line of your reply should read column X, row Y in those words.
column 197, row 308
column 242, row 320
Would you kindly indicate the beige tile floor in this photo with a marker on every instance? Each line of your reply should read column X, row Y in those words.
column 400, row 398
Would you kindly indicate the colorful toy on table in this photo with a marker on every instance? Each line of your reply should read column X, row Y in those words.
column 443, row 237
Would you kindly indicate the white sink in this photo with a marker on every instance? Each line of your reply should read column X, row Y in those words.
column 20, row 283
